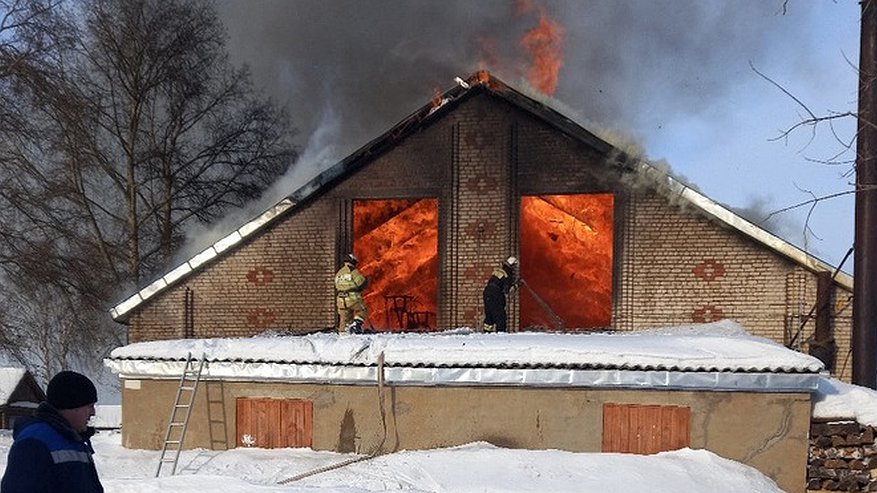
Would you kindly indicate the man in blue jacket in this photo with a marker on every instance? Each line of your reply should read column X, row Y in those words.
column 52, row 452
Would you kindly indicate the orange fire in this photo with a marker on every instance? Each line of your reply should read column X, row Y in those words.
column 396, row 241
column 488, row 53
column 566, row 258
column 566, row 251
column 436, row 98
column 545, row 45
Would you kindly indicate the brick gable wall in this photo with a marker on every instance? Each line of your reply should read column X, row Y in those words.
column 268, row 283
column 672, row 266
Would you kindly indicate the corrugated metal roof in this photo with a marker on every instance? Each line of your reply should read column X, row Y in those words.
column 707, row 368
column 580, row 376
column 718, row 346
column 717, row 356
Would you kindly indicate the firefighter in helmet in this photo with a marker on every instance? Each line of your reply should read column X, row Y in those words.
column 501, row 282
column 349, row 283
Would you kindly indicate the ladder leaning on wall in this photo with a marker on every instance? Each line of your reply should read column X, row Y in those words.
column 179, row 419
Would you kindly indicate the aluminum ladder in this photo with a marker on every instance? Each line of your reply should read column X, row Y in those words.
column 179, row 419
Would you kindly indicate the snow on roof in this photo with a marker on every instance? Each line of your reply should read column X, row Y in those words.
column 715, row 355
column 836, row 400
column 9, row 380
column 209, row 253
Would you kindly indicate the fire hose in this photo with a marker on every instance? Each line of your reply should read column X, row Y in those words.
column 378, row 450
column 558, row 322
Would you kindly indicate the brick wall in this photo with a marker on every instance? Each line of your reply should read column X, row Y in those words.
column 678, row 267
column 672, row 266
column 682, row 267
column 272, row 282
column 484, row 232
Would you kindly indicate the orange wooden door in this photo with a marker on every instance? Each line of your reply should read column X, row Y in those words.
column 274, row 423
column 645, row 429
column 297, row 422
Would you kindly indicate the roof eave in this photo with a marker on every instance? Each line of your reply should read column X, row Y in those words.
column 123, row 310
column 428, row 376
column 722, row 214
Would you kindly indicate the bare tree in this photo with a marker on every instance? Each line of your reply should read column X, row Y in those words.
column 812, row 122
column 131, row 124
column 821, row 345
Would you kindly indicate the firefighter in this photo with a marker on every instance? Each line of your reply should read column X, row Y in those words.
column 501, row 282
column 349, row 283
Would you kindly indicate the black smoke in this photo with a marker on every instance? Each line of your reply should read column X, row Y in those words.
column 370, row 63
column 348, row 70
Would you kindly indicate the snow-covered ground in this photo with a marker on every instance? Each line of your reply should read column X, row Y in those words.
column 476, row 467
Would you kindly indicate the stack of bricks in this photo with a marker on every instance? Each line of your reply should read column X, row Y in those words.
column 843, row 457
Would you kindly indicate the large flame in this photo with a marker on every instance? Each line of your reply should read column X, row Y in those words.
column 566, row 258
column 396, row 241
column 544, row 43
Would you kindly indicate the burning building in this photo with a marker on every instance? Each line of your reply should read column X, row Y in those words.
column 481, row 172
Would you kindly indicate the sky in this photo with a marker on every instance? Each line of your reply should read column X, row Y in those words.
column 678, row 80
column 477, row 466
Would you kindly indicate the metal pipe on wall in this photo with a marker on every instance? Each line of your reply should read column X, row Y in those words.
column 864, row 340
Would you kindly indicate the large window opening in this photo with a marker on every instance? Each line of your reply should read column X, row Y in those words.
column 566, row 261
column 396, row 242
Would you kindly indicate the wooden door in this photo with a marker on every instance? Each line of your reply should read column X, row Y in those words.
column 274, row 423
column 645, row 429
column 297, row 422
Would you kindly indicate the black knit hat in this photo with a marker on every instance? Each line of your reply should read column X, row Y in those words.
column 69, row 390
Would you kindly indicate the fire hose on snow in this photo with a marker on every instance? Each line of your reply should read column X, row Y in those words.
column 378, row 448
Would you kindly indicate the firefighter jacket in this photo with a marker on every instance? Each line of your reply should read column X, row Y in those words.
column 348, row 283
column 502, row 280
column 49, row 456
column 349, row 279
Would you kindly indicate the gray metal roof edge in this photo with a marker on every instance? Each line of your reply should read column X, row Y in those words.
column 240, row 362
column 198, row 260
column 735, row 221
column 516, row 377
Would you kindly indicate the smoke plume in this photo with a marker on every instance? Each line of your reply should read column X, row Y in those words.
column 375, row 62
column 347, row 70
